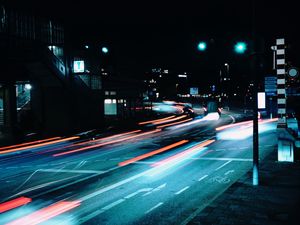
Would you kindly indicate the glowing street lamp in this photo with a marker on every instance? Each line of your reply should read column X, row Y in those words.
column 104, row 50
column 202, row 46
column 240, row 47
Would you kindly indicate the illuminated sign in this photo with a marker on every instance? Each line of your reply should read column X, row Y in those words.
column 261, row 100
column 78, row 66
column 194, row 91
column 182, row 75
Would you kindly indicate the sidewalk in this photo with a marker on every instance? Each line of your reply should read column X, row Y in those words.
column 275, row 201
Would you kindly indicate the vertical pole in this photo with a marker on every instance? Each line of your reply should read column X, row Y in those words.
column 271, row 107
column 274, row 48
column 281, row 91
column 255, row 180
column 255, row 131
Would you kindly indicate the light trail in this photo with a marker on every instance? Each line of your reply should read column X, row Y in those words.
column 106, row 143
column 124, row 163
column 12, row 204
column 184, row 153
column 172, row 161
column 171, row 124
column 248, row 122
column 46, row 213
column 245, row 131
column 92, row 141
column 206, row 118
column 171, row 120
column 106, row 138
column 233, row 125
column 28, row 143
column 260, row 123
column 151, row 121
column 39, row 145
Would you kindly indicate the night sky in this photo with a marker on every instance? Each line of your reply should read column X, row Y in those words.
column 148, row 34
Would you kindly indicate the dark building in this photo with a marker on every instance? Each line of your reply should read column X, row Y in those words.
column 39, row 93
column 52, row 87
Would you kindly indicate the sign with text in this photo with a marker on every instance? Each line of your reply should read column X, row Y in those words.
column 78, row 66
column 271, row 85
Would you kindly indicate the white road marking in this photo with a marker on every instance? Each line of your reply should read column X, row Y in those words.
column 223, row 165
column 228, row 172
column 203, row 177
column 80, row 164
column 113, row 204
column 161, row 186
column 108, row 188
column 182, row 190
column 137, row 192
column 223, row 159
column 156, row 189
column 42, row 185
column 159, row 204
column 90, row 216
column 21, row 185
column 66, row 185
column 72, row 171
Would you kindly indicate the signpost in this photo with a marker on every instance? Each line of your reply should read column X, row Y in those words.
column 271, row 90
column 271, row 85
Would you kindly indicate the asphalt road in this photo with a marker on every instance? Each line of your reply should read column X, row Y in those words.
column 163, row 175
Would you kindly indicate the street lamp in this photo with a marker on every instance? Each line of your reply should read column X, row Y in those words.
column 202, row 46
column 104, row 50
column 240, row 47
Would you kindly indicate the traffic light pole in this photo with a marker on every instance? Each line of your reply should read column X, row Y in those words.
column 255, row 175
column 255, row 126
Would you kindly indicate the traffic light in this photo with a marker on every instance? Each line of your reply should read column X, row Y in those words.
column 202, row 46
column 104, row 50
column 240, row 47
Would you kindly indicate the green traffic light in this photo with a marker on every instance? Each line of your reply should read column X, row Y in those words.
column 240, row 47
column 202, row 46
column 104, row 50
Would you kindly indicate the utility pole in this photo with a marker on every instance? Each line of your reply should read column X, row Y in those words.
column 254, row 58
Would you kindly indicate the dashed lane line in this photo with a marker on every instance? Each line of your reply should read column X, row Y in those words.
column 182, row 190
column 154, row 207
column 223, row 165
column 73, row 171
column 203, row 177
column 222, row 159
column 113, row 204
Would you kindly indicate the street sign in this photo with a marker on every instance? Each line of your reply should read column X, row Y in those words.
column 261, row 100
column 78, row 66
column 194, row 91
column 271, row 85
column 293, row 72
